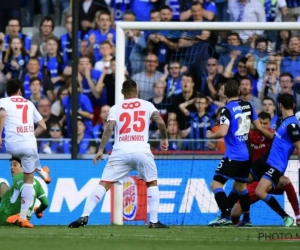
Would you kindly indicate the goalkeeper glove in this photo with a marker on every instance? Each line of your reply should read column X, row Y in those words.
column 39, row 215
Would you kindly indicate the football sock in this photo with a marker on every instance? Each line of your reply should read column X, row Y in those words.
column 27, row 196
column 153, row 203
column 292, row 197
column 245, row 204
column 233, row 197
column 272, row 203
column 222, row 201
column 92, row 201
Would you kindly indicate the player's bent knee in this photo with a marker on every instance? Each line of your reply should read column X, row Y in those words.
column 260, row 193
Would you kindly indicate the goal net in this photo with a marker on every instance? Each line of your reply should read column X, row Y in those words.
column 176, row 62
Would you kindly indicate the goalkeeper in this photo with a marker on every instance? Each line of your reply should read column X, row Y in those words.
column 10, row 198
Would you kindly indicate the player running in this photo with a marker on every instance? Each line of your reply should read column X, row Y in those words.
column 260, row 145
column 269, row 169
column 11, row 198
column 17, row 116
column 130, row 119
column 236, row 118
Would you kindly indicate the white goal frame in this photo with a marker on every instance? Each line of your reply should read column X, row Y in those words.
column 120, row 61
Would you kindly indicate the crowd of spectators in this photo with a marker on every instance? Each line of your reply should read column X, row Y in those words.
column 181, row 72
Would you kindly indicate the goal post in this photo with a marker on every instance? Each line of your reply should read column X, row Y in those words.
column 121, row 27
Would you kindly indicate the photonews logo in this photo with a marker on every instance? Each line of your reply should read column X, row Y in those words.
column 279, row 236
column 130, row 198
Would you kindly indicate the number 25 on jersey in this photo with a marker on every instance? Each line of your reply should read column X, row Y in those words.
column 138, row 125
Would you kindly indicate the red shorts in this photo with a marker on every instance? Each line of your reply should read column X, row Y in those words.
column 251, row 190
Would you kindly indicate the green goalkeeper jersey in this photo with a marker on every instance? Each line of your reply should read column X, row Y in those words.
column 11, row 200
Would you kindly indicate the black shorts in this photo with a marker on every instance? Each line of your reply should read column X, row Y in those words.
column 235, row 170
column 260, row 169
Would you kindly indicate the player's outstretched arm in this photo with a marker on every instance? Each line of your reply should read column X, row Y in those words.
column 105, row 138
column 265, row 132
column 40, row 128
column 162, row 129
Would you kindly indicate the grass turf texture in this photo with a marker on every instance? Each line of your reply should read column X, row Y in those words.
column 143, row 238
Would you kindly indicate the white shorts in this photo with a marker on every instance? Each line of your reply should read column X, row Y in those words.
column 29, row 158
column 119, row 166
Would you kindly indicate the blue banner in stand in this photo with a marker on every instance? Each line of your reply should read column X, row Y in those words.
column 185, row 195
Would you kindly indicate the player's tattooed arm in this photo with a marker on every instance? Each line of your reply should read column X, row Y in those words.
column 160, row 124
column 107, row 134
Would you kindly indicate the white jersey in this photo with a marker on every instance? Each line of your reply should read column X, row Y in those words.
column 132, row 118
column 21, row 115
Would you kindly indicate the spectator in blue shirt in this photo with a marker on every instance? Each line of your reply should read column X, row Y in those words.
column 33, row 69
column 174, row 135
column 86, row 143
column 200, row 122
column 175, row 7
column 57, row 144
column 155, row 15
column 102, row 33
column 245, row 69
column 16, row 59
column 209, row 10
column 14, row 29
column 88, row 79
column 291, row 63
column 52, row 64
column 210, row 78
column 142, row 9
column 232, row 47
column 166, row 13
column 118, row 8
column 66, row 44
column 172, row 76
column 85, row 110
column 88, row 10
column 222, row 10
column 136, row 45
column 36, row 90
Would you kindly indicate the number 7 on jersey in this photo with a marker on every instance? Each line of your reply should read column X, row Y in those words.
column 24, row 108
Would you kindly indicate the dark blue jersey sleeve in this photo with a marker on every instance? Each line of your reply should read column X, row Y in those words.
column 293, row 131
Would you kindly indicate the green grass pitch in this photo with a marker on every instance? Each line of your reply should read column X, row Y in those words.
column 143, row 238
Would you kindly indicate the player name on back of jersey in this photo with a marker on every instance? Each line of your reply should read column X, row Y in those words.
column 25, row 129
column 241, row 108
column 128, row 138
